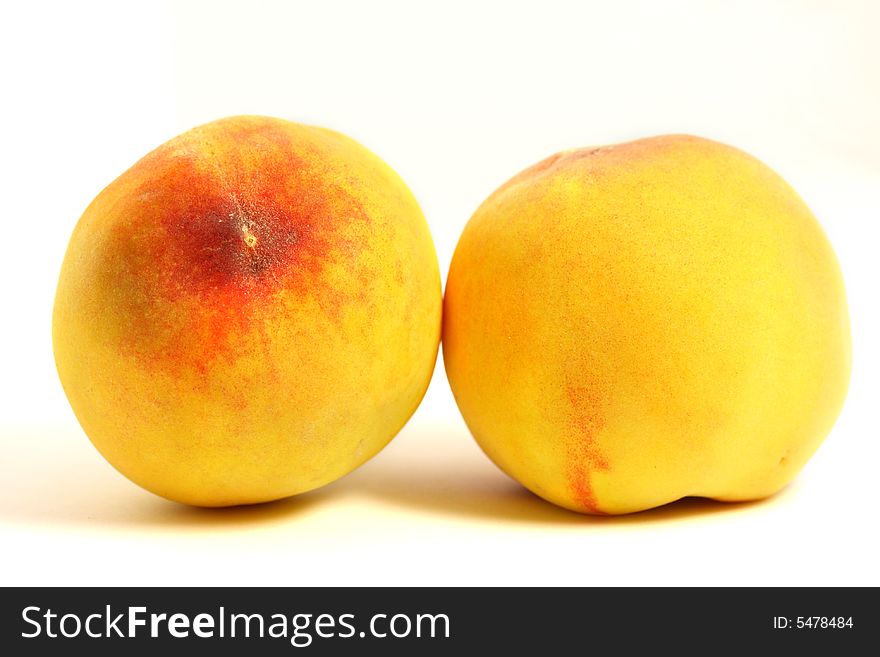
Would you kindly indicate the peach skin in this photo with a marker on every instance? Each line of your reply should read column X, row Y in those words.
column 628, row 325
column 251, row 311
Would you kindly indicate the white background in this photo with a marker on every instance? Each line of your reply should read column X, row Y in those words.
column 457, row 97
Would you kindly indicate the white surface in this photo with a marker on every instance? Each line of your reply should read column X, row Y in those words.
column 457, row 99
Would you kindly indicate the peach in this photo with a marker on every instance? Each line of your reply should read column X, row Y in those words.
column 249, row 312
column 628, row 325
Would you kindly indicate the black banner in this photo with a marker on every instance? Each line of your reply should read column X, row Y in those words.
column 435, row 621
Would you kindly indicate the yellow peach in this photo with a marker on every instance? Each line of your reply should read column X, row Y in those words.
column 251, row 311
column 628, row 325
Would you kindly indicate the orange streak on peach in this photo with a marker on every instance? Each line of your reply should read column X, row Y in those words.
column 584, row 456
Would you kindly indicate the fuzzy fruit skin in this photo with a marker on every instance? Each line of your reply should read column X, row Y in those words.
column 250, row 312
column 629, row 325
